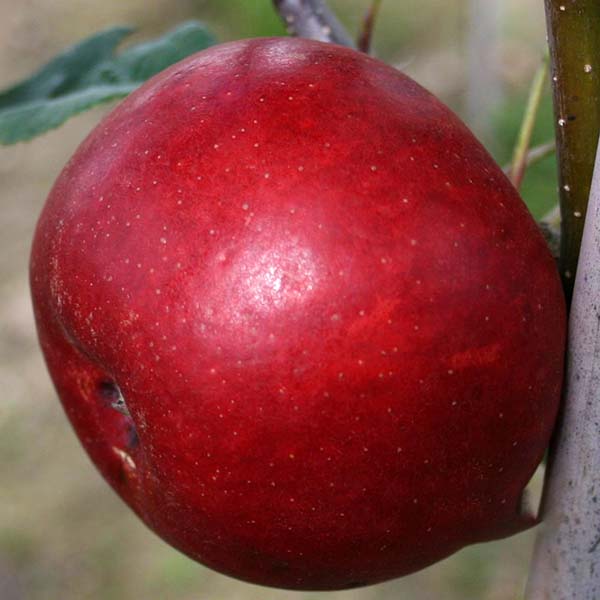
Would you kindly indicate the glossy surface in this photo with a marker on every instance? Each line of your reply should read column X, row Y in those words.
column 336, row 327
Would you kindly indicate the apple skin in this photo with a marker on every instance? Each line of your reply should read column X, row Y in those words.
column 337, row 330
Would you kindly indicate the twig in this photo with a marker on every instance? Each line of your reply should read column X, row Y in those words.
column 566, row 563
column 574, row 37
column 535, row 155
column 314, row 20
column 519, row 163
column 368, row 24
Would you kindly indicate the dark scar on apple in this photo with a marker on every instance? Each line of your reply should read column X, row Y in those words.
column 111, row 393
column 108, row 390
column 132, row 437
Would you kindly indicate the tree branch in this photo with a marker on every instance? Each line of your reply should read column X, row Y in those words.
column 314, row 20
column 574, row 38
column 566, row 562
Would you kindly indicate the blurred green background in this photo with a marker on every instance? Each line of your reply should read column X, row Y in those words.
column 63, row 533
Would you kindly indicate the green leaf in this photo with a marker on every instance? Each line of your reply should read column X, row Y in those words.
column 29, row 120
column 88, row 74
column 145, row 60
column 63, row 71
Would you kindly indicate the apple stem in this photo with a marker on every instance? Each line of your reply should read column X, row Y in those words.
column 314, row 20
column 520, row 155
column 566, row 556
column 368, row 24
column 574, row 39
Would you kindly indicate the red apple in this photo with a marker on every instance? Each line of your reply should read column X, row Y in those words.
column 336, row 329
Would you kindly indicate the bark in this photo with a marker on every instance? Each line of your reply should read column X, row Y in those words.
column 314, row 20
column 566, row 561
